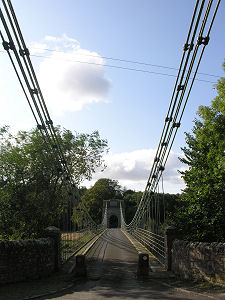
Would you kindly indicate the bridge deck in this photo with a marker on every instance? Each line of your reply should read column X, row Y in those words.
column 112, row 257
column 112, row 266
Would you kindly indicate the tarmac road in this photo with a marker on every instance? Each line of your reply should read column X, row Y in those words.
column 112, row 267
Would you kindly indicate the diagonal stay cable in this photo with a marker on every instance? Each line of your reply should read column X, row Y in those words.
column 154, row 178
column 181, row 87
column 11, row 46
column 204, row 41
column 195, row 73
column 42, row 109
column 200, row 41
column 24, row 52
column 188, row 46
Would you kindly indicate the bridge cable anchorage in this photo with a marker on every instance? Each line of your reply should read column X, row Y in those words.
column 22, row 65
column 149, row 232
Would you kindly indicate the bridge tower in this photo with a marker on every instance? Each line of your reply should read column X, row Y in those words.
column 113, row 213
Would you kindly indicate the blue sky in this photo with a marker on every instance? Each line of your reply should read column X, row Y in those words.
column 127, row 107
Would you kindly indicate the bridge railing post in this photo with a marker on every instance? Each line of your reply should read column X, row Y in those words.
column 170, row 236
column 143, row 264
column 54, row 233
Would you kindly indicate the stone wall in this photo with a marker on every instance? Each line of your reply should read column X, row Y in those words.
column 113, row 209
column 22, row 260
column 199, row 261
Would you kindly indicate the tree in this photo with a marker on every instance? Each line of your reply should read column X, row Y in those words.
column 103, row 189
column 131, row 200
column 201, row 213
column 33, row 194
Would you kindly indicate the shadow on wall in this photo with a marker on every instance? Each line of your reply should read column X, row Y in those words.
column 199, row 261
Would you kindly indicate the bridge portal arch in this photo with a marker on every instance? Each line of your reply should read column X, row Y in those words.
column 113, row 221
column 113, row 213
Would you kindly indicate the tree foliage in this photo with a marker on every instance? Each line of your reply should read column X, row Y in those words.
column 131, row 200
column 202, row 210
column 108, row 189
column 32, row 192
column 166, row 203
column 103, row 189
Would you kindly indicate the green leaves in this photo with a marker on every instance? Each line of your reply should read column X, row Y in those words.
column 33, row 194
column 103, row 189
column 202, row 211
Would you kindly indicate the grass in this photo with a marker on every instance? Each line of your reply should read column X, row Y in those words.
column 72, row 242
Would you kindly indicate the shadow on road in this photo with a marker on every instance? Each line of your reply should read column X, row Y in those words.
column 112, row 274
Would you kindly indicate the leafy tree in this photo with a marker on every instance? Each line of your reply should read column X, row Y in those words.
column 165, row 202
column 202, row 210
column 108, row 189
column 33, row 194
column 131, row 200
column 103, row 189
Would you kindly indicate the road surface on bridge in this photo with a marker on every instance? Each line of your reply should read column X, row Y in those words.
column 112, row 267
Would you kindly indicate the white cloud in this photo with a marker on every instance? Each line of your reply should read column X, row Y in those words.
column 132, row 169
column 2, row 79
column 14, row 109
column 51, row 38
column 37, row 48
column 63, row 39
column 9, row 114
column 72, row 79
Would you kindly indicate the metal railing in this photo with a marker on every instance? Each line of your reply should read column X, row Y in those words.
column 153, row 242
column 72, row 242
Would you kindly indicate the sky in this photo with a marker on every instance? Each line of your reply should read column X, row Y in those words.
column 110, row 66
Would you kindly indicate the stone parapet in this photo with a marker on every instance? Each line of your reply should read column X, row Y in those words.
column 55, row 234
column 22, row 260
column 30, row 259
column 199, row 261
column 170, row 235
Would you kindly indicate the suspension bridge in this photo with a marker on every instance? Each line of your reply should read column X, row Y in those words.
column 114, row 252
